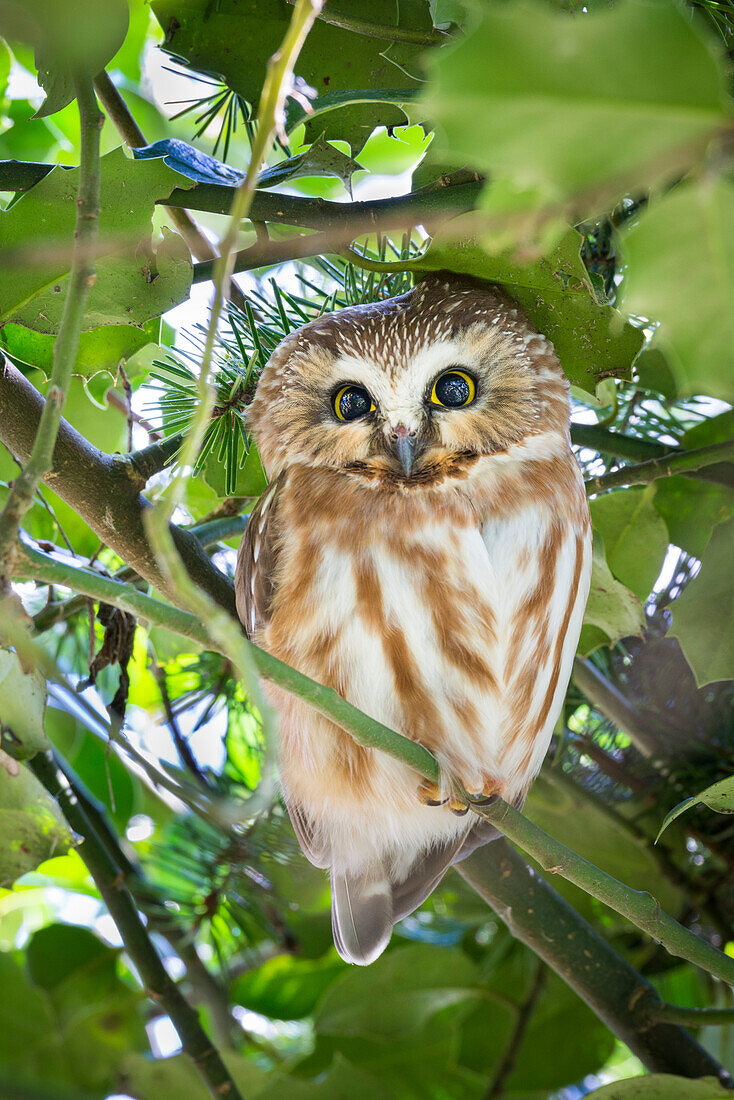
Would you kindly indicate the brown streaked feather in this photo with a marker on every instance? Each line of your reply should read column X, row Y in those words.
column 254, row 581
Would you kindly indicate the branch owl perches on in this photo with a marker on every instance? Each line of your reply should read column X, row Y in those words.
column 424, row 548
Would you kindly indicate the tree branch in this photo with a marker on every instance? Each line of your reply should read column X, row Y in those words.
column 81, row 278
column 638, row 907
column 597, row 438
column 614, row 706
column 676, row 462
column 159, row 987
column 691, row 1017
column 540, row 918
column 103, row 489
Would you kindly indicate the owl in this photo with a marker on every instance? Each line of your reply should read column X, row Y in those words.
column 424, row 549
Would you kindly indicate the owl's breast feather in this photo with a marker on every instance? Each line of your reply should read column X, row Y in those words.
column 458, row 637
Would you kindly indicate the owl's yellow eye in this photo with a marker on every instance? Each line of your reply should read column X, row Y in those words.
column 351, row 402
column 453, row 389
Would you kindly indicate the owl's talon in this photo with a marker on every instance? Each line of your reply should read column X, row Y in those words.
column 430, row 794
column 459, row 807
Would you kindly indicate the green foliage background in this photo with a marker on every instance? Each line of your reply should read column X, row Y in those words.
column 597, row 145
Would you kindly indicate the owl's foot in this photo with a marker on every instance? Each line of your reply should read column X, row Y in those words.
column 491, row 791
column 458, row 807
column 430, row 794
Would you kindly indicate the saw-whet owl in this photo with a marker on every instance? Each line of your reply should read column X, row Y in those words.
column 424, row 548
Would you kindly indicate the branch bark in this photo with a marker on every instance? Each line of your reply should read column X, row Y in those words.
column 597, row 438
column 158, row 985
column 675, row 462
column 104, row 490
column 539, row 917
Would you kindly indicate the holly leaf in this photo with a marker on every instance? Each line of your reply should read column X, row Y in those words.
column 135, row 282
column 691, row 230
column 612, row 610
column 635, row 536
column 527, row 93
column 591, row 339
column 320, row 159
column 359, row 79
column 703, row 617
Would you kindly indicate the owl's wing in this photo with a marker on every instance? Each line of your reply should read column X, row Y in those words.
column 254, row 581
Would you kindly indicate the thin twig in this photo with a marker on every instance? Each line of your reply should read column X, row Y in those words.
column 691, row 1017
column 678, row 462
column 159, row 987
column 522, row 1021
column 81, row 279
column 220, row 625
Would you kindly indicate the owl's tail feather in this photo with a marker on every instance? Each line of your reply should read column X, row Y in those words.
column 361, row 914
column 364, row 907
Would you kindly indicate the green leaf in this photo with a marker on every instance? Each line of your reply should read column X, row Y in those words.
column 56, row 952
column 286, row 988
column 234, row 41
column 31, row 827
column 133, row 284
column 635, row 537
column 97, row 1014
column 26, row 1026
column 527, row 94
column 154, row 1079
column 691, row 230
column 79, row 36
column 591, row 340
column 320, row 159
column 6, row 60
column 99, row 768
column 692, row 507
column 661, row 1086
column 611, row 607
column 719, row 796
column 398, row 994
column 102, row 349
column 703, row 617
column 22, row 706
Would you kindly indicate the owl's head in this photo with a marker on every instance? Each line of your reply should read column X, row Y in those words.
column 407, row 392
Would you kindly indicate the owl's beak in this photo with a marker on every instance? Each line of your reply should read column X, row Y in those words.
column 405, row 444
